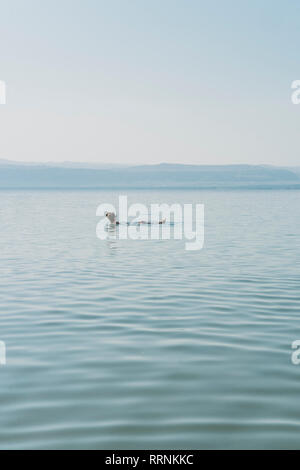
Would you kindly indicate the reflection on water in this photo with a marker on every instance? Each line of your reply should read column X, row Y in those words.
column 140, row 343
column 112, row 236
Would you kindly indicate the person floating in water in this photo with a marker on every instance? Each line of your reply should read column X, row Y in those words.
column 111, row 216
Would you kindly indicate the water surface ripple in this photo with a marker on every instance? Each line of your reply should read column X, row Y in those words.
column 142, row 344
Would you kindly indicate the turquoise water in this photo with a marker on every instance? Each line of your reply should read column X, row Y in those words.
column 142, row 344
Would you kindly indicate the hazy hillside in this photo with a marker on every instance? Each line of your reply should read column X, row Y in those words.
column 14, row 175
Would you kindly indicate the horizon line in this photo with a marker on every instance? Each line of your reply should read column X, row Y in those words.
column 107, row 164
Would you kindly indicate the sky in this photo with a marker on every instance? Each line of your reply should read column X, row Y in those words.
column 150, row 81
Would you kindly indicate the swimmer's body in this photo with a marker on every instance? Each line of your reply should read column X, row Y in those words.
column 111, row 216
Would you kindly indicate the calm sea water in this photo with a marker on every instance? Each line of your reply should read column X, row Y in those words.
column 142, row 344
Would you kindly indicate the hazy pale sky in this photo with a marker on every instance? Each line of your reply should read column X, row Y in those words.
column 150, row 81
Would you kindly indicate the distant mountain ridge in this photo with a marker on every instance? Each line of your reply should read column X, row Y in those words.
column 65, row 164
column 70, row 175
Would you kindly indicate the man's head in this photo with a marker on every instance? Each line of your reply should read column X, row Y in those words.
column 111, row 217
